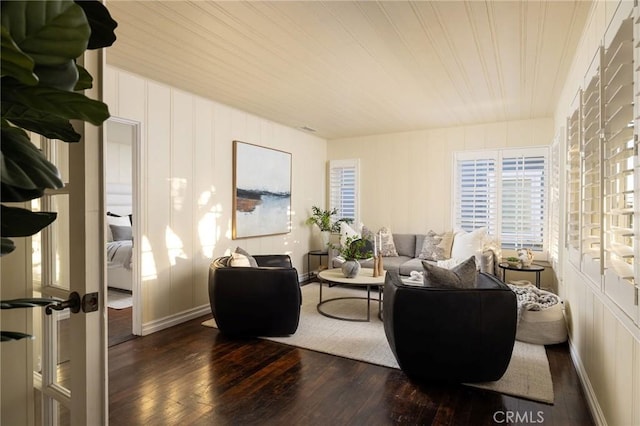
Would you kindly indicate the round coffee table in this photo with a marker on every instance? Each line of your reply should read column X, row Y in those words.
column 364, row 278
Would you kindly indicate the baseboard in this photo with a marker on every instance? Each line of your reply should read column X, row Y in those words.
column 175, row 319
column 592, row 400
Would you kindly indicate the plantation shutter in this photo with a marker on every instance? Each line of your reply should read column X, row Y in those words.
column 506, row 192
column 344, row 188
column 523, row 202
column 476, row 194
column 554, row 206
column 619, row 171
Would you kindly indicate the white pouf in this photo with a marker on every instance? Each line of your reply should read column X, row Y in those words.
column 542, row 327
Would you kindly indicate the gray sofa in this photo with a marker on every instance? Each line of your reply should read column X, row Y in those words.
column 409, row 247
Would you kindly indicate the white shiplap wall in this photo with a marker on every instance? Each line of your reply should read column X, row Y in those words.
column 406, row 178
column 605, row 346
column 186, row 173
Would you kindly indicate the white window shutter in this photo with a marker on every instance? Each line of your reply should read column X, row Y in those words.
column 344, row 177
column 523, row 206
column 476, row 194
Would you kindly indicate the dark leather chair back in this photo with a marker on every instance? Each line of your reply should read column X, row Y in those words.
column 262, row 301
column 450, row 334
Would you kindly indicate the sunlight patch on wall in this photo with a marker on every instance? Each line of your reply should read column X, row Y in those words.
column 227, row 234
column 148, row 264
column 205, row 197
column 209, row 231
column 178, row 187
column 174, row 246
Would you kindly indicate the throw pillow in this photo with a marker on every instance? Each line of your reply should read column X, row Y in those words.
column 113, row 220
column 467, row 244
column 347, row 231
column 449, row 263
column 384, row 241
column 436, row 246
column 240, row 258
column 121, row 233
column 460, row 276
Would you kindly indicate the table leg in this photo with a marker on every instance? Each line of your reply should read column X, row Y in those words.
column 368, row 303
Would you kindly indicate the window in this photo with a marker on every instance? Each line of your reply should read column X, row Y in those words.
column 344, row 188
column 619, row 165
column 554, row 206
column 505, row 191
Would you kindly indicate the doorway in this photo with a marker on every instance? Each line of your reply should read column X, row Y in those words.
column 121, row 179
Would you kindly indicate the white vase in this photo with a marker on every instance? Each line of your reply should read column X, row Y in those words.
column 325, row 236
column 350, row 268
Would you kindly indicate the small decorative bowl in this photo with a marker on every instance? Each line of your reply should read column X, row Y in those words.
column 514, row 263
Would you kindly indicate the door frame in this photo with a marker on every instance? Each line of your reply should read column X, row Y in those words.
column 136, row 221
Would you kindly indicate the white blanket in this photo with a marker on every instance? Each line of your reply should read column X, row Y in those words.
column 531, row 298
column 119, row 254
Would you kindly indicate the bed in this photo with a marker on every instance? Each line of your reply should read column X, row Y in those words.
column 119, row 236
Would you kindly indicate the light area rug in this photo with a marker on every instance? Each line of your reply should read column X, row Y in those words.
column 119, row 299
column 528, row 375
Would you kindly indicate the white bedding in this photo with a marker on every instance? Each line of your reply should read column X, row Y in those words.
column 119, row 254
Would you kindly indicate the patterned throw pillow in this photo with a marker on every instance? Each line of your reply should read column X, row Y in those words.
column 461, row 276
column 387, row 247
column 436, row 246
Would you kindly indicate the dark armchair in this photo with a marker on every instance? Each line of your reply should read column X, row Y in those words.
column 451, row 334
column 262, row 301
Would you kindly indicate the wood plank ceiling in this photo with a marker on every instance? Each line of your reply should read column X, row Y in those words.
column 357, row 68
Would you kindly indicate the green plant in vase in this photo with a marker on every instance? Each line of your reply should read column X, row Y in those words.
column 324, row 220
column 353, row 250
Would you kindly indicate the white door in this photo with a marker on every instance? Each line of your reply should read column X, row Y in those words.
column 70, row 353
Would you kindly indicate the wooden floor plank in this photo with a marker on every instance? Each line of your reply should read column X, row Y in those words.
column 190, row 374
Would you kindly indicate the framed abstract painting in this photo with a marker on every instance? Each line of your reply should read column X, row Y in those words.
column 261, row 191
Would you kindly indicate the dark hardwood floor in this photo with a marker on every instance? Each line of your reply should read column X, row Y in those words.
column 120, row 325
column 193, row 375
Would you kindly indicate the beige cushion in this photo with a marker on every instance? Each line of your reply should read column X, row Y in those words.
column 240, row 258
column 436, row 246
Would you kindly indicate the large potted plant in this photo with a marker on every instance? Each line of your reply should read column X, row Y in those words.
column 324, row 220
column 42, row 88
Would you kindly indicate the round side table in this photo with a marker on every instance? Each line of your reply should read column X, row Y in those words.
column 537, row 269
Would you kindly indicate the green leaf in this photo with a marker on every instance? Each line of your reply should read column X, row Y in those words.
column 51, row 32
column 14, row 62
column 23, row 165
column 18, row 222
column 44, row 124
column 27, row 302
column 67, row 105
column 62, row 77
column 6, row 336
column 12, row 194
column 85, row 81
column 101, row 22
column 7, row 246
